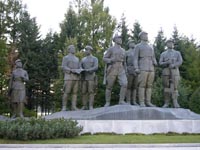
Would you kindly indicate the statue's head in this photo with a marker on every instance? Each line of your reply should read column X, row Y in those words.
column 18, row 63
column 143, row 36
column 131, row 44
column 88, row 50
column 117, row 39
column 71, row 49
column 170, row 44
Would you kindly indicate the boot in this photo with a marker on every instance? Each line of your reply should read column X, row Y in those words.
column 64, row 102
column 108, row 97
column 74, row 102
column 91, row 101
column 166, row 99
column 21, row 107
column 134, row 95
column 122, row 96
column 84, row 101
column 141, row 97
column 148, row 98
column 128, row 96
column 174, row 99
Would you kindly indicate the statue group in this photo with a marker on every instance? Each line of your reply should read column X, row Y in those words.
column 134, row 69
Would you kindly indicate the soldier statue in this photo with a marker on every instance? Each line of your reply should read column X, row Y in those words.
column 131, row 75
column 114, row 58
column 170, row 60
column 144, row 62
column 89, row 64
column 72, row 70
column 17, row 89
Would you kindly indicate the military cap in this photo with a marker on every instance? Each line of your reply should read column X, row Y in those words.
column 116, row 36
column 89, row 47
column 142, row 32
column 18, row 60
column 130, row 41
column 169, row 41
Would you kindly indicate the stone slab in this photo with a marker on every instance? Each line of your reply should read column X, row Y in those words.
column 127, row 112
column 139, row 126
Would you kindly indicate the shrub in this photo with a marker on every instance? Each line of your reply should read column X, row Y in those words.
column 32, row 129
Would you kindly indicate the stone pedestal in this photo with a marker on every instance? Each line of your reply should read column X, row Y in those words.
column 127, row 119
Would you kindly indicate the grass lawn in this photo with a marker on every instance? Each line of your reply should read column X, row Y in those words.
column 115, row 139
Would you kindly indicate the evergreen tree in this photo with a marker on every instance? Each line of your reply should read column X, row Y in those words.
column 135, row 32
column 124, row 30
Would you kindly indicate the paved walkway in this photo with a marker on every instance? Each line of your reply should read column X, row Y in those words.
column 100, row 146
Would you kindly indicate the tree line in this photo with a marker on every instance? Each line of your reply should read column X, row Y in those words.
column 86, row 22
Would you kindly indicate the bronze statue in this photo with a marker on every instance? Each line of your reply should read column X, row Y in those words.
column 89, row 65
column 114, row 58
column 170, row 60
column 72, row 70
column 144, row 62
column 17, row 89
column 131, row 75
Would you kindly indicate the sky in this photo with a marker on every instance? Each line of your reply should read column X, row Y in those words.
column 151, row 14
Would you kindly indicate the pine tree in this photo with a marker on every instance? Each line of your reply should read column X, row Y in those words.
column 135, row 32
column 124, row 29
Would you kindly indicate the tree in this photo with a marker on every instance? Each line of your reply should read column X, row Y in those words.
column 159, row 47
column 124, row 29
column 69, row 27
column 135, row 32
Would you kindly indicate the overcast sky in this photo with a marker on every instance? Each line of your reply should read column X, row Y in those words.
column 151, row 14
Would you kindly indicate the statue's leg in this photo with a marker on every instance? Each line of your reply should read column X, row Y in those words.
column 129, row 87
column 134, row 95
column 175, row 99
column 110, row 83
column 141, row 87
column 91, row 101
column 14, row 110
column 128, row 96
column 91, row 86
column 148, row 97
column 123, row 87
column 166, row 97
column 150, row 79
column 175, row 93
column 21, row 107
column 67, row 89
column 134, row 91
column 74, row 95
column 84, row 95
column 167, row 91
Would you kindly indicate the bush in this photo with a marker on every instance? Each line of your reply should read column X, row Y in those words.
column 32, row 129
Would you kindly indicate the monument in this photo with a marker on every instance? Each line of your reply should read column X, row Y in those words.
column 72, row 70
column 17, row 89
column 144, row 62
column 89, row 65
column 170, row 60
column 114, row 58
column 132, row 76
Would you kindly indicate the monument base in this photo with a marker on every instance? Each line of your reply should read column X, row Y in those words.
column 127, row 112
column 139, row 126
column 128, row 119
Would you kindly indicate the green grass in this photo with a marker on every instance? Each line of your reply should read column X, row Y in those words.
column 115, row 139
